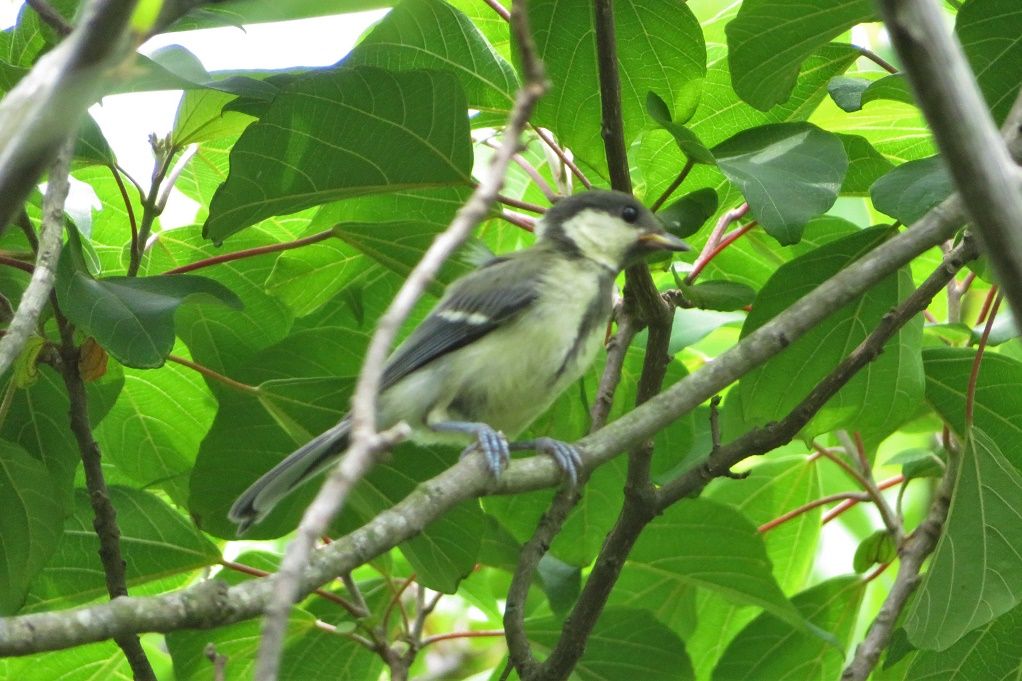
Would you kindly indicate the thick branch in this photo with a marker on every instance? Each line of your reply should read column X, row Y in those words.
column 51, row 232
column 45, row 106
column 975, row 154
column 366, row 442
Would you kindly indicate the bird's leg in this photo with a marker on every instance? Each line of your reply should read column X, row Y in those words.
column 491, row 443
column 566, row 456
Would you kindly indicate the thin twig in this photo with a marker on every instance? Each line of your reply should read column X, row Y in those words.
column 366, row 442
column 213, row 375
column 686, row 169
column 912, row 553
column 51, row 16
column 523, row 205
column 876, row 59
column 617, row 349
column 548, row 139
column 850, row 503
column 252, row 252
column 18, row 265
column 970, row 393
column 717, row 241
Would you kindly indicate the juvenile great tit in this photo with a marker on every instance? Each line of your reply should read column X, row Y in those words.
column 499, row 347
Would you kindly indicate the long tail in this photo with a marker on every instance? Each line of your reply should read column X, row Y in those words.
column 298, row 468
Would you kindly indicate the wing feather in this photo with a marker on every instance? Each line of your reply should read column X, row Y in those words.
column 473, row 306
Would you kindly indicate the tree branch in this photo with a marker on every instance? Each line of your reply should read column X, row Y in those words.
column 42, row 110
column 366, row 442
column 975, row 154
column 912, row 553
column 51, row 232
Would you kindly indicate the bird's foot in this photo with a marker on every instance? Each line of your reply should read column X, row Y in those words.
column 491, row 443
column 566, row 456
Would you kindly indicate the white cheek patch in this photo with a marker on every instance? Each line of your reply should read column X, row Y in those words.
column 601, row 237
column 462, row 317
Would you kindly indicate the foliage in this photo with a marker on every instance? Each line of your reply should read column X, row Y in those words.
column 325, row 186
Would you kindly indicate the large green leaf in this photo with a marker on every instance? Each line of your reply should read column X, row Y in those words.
column 883, row 394
column 909, row 191
column 156, row 542
column 705, row 544
column 660, row 49
column 865, row 165
column 976, row 571
column 991, row 35
column 625, row 645
column 341, row 133
column 30, row 523
column 769, row 40
column 788, row 172
column 240, row 12
column 132, row 318
column 430, row 34
column 771, row 649
column 82, row 663
column 152, row 432
column 992, row 652
column 998, row 398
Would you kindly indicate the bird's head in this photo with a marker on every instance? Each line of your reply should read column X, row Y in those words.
column 608, row 227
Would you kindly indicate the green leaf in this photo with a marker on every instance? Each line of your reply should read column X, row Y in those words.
column 991, row 35
column 430, row 34
column 83, row 663
column 156, row 542
column 769, row 40
column 688, row 141
column 702, row 543
column 998, row 406
column 660, row 49
column 847, row 92
column 993, row 651
column 851, row 94
column 909, row 191
column 724, row 296
column 30, row 524
column 132, row 318
column 152, row 432
column 1003, row 329
column 240, row 12
column 983, row 530
column 769, row 648
column 893, row 87
column 201, row 117
column 341, row 133
column 865, row 165
column 881, row 395
column 625, row 645
column 788, row 172
column 877, row 548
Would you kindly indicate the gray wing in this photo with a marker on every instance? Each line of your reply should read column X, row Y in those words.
column 473, row 306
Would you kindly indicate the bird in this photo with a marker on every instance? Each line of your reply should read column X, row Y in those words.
column 499, row 346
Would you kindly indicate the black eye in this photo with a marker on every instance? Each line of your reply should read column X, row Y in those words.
column 629, row 213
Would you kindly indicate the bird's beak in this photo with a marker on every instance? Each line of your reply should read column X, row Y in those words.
column 663, row 241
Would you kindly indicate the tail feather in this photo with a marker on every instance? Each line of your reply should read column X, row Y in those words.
column 297, row 469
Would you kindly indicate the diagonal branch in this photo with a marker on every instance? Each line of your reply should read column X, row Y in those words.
column 980, row 164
